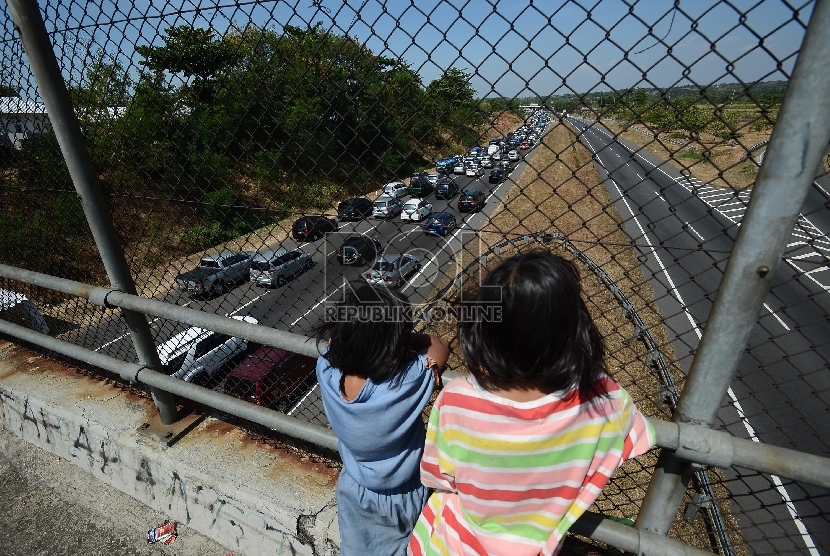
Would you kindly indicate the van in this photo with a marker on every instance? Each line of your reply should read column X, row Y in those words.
column 272, row 378
column 493, row 148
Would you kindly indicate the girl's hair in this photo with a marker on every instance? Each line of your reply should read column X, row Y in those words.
column 544, row 337
column 369, row 332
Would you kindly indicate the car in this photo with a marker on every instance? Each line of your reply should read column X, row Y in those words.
column 392, row 269
column 505, row 165
column 420, row 185
column 196, row 352
column 439, row 224
column 470, row 200
column 386, row 207
column 215, row 273
column 446, row 189
column 446, row 165
column 474, row 170
column 358, row 250
column 279, row 267
column 496, row 156
column 272, row 378
column 487, row 162
column 312, row 228
column 395, row 189
column 459, row 167
column 355, row 209
column 416, row 209
column 433, row 178
column 497, row 175
column 524, row 146
column 513, row 155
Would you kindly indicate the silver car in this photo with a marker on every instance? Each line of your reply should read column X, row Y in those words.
column 277, row 268
column 386, row 207
column 392, row 269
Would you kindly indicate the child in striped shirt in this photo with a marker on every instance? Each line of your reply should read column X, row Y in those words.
column 521, row 447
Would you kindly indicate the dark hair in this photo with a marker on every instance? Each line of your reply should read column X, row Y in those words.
column 361, row 343
column 545, row 337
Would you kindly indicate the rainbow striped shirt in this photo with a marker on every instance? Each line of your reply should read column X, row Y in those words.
column 512, row 477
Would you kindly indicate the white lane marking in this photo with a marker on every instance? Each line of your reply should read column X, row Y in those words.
column 639, row 176
column 661, row 197
column 784, row 324
column 695, row 231
column 299, row 403
column 257, row 298
column 653, row 250
column 779, row 486
column 409, row 232
column 304, row 315
column 805, row 535
column 122, row 336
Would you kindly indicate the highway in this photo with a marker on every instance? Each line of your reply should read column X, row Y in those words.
column 300, row 304
column 683, row 231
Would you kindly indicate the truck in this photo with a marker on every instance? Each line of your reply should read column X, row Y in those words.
column 215, row 273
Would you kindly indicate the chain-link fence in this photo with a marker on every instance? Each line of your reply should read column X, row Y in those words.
column 256, row 155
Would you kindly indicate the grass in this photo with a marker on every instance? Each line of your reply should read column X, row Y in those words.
column 714, row 161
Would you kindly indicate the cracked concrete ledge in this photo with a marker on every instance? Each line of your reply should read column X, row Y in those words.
column 249, row 497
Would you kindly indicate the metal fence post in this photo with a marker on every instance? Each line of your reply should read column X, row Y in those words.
column 795, row 149
column 29, row 22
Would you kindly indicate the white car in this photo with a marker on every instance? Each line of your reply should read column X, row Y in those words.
column 458, row 168
column 513, row 155
column 474, row 170
column 416, row 209
column 275, row 269
column 433, row 179
column 196, row 350
column 487, row 162
column 496, row 155
column 395, row 189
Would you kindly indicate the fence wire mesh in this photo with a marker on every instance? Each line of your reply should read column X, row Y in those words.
column 256, row 154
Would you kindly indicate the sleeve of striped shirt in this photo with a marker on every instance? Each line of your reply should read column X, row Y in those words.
column 437, row 468
column 641, row 437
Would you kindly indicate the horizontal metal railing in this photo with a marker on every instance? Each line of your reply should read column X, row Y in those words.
column 690, row 442
column 590, row 525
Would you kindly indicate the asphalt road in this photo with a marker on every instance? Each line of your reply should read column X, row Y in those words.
column 684, row 231
column 298, row 305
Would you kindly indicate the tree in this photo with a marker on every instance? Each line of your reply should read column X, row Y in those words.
column 661, row 115
column 453, row 93
column 107, row 85
column 8, row 91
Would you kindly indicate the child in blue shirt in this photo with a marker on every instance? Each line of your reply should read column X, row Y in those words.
column 375, row 379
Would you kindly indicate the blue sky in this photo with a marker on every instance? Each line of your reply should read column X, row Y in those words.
column 512, row 48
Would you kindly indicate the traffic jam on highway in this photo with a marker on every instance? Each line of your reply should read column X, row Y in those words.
column 406, row 238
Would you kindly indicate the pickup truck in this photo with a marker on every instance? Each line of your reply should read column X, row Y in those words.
column 215, row 274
